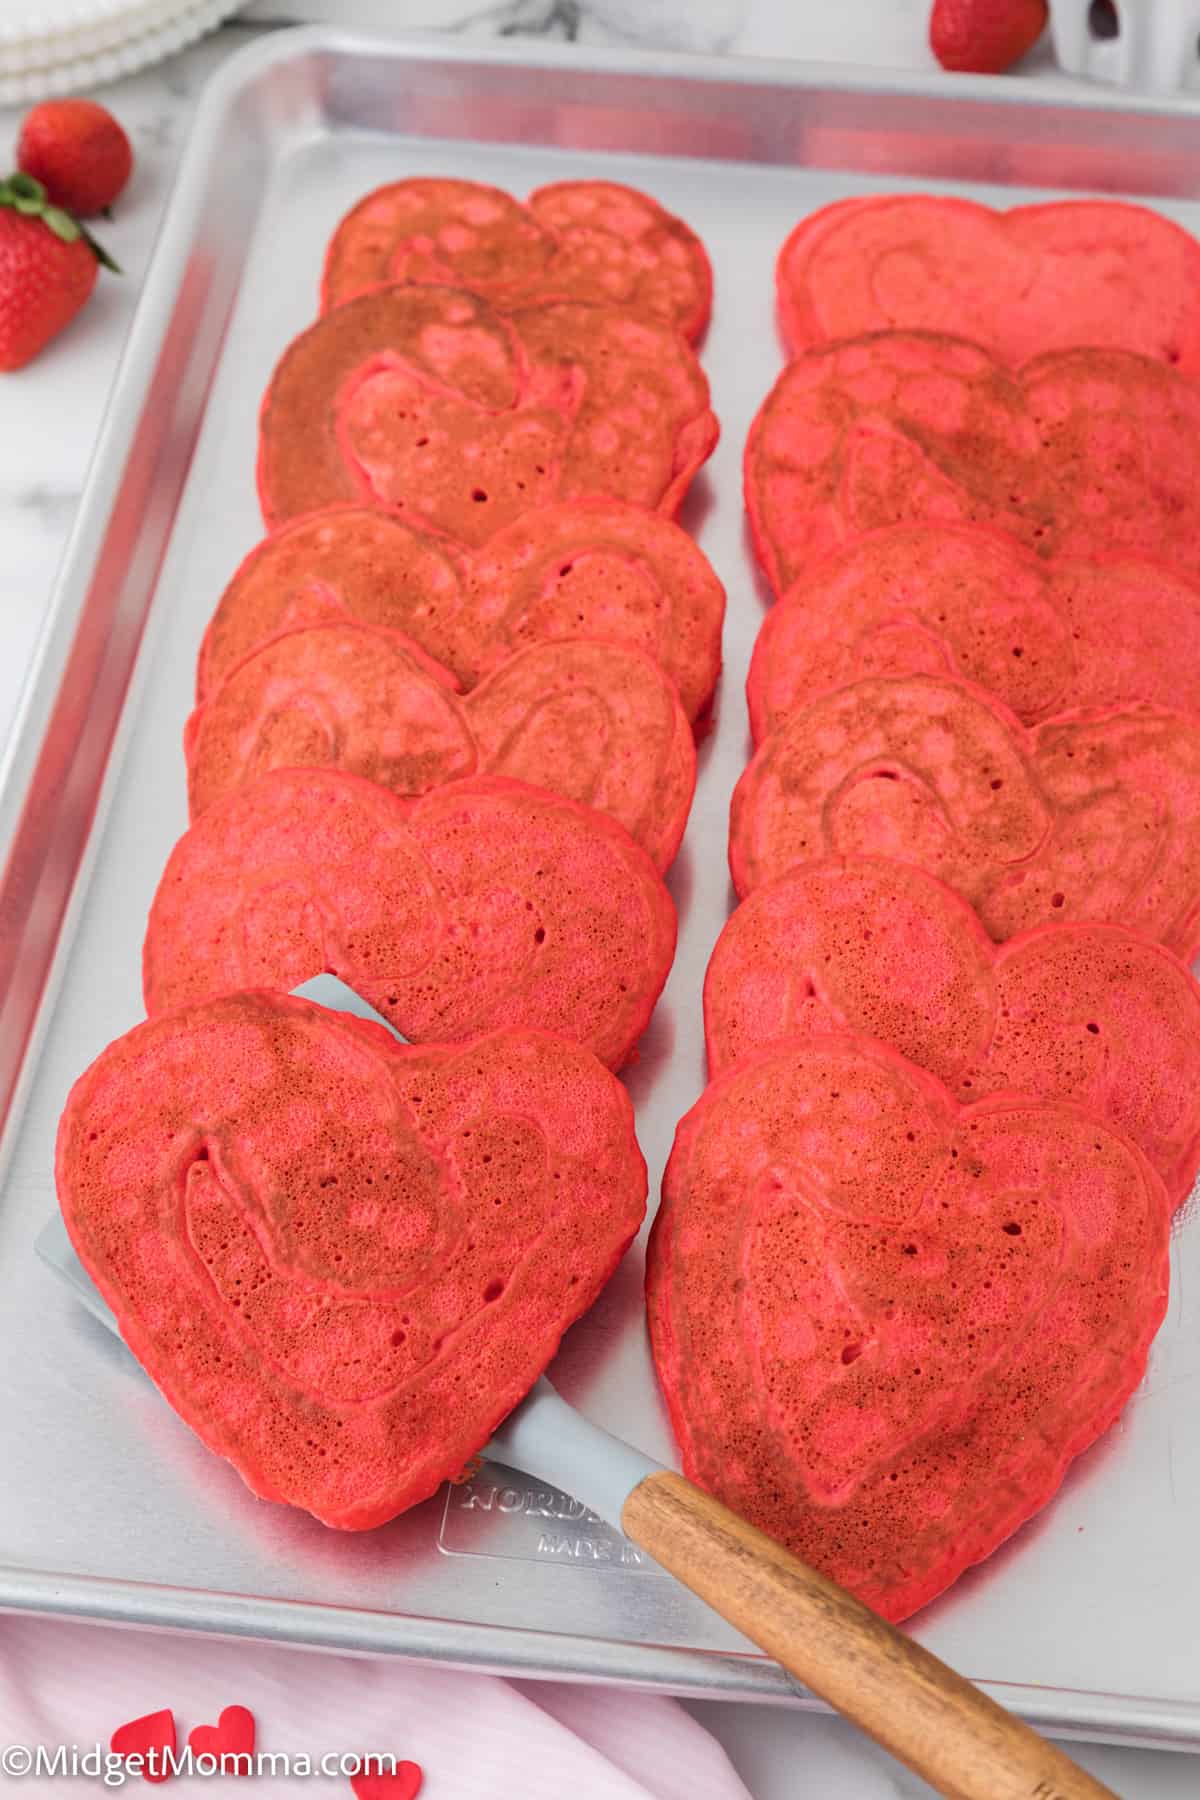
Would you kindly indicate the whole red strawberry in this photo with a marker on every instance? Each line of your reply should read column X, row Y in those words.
column 48, row 265
column 78, row 152
column 985, row 36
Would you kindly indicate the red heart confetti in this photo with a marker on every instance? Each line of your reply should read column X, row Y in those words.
column 231, row 1736
column 404, row 1782
column 148, row 1737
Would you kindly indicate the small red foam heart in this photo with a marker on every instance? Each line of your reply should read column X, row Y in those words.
column 231, row 1736
column 404, row 1782
column 149, row 1737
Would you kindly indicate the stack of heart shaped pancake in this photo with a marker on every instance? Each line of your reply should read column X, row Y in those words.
column 443, row 749
column 913, row 1245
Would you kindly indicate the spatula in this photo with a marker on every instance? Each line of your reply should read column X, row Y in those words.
column 944, row 1728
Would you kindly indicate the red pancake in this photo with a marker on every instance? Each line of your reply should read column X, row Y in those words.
column 885, row 1324
column 617, row 245
column 1033, row 279
column 425, row 401
column 1124, row 788
column 930, row 772
column 593, row 568
column 1120, row 455
column 484, row 904
column 334, row 694
column 344, row 563
column 576, row 240
column 927, row 599
column 445, row 232
column 598, row 723
column 1091, row 815
column 870, row 946
column 1079, row 453
column 1094, row 1014
column 341, row 1260
column 586, row 568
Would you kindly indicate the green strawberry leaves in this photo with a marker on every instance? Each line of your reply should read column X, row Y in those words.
column 23, row 192
column 98, row 251
column 25, row 195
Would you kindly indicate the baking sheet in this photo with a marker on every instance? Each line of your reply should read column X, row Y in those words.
column 109, row 1507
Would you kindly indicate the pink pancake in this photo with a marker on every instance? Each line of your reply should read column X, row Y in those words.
column 484, row 904
column 344, row 1261
column 1081, row 453
column 1033, row 279
column 596, row 569
column 345, row 563
column 576, row 240
column 599, row 723
column 585, row 568
column 884, row 1323
column 459, row 418
column 341, row 695
column 930, row 599
column 1089, row 816
column 1094, row 1014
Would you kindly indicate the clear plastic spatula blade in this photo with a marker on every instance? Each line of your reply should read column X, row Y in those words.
column 544, row 1437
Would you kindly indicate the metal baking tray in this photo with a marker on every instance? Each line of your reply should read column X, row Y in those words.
column 1088, row 1621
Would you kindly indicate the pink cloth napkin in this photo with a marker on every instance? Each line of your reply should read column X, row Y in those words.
column 476, row 1737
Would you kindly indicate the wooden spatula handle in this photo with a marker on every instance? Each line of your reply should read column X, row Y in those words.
column 945, row 1729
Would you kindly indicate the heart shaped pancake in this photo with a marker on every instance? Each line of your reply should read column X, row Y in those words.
column 339, row 695
column 598, row 723
column 885, row 1323
column 460, row 418
column 1077, row 454
column 587, row 568
column 484, row 904
column 925, row 599
column 576, row 240
column 343, row 1261
column 1091, row 815
column 343, row 564
column 1033, row 279
column 1093, row 1014
column 592, row 568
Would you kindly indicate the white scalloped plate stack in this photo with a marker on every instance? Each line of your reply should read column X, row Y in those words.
column 63, row 46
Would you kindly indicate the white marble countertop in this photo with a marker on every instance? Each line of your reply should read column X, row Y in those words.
column 50, row 413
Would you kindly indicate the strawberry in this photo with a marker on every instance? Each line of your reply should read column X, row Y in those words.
column 48, row 267
column 78, row 152
column 985, row 36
